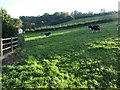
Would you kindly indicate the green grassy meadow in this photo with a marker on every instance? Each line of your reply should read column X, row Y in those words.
column 78, row 21
column 83, row 20
column 71, row 58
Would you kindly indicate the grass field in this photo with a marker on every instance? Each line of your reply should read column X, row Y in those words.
column 72, row 58
column 79, row 21
column 83, row 20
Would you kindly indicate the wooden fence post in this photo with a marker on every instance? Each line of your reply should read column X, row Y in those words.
column 20, row 41
column 1, row 53
column 1, row 47
column 11, row 44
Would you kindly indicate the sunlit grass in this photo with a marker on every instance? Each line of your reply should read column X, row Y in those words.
column 39, row 35
column 33, row 38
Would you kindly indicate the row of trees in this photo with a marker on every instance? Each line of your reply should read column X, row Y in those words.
column 45, row 20
column 56, row 18
column 9, row 25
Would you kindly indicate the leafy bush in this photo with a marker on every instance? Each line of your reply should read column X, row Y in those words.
column 9, row 24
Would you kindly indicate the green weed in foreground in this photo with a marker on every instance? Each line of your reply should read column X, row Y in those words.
column 74, row 58
column 59, row 73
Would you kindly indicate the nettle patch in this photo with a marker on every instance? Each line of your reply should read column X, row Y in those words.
column 105, row 44
column 107, row 49
column 60, row 72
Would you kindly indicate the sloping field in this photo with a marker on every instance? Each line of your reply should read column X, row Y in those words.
column 71, row 58
column 83, row 20
column 77, row 23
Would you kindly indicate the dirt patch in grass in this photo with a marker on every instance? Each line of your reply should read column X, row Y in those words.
column 11, row 58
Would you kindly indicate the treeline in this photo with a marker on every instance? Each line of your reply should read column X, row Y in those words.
column 32, row 22
column 9, row 25
column 45, row 20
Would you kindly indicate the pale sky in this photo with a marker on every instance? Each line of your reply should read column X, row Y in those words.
column 18, row 8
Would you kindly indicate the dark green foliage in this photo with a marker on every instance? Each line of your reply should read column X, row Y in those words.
column 45, row 20
column 9, row 25
column 8, row 28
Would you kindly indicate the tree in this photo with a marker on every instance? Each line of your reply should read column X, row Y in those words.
column 76, row 14
column 45, row 20
column 9, row 25
column 102, row 11
column 90, row 13
column 18, row 23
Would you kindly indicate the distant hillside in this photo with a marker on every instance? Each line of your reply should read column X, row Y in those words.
column 91, row 19
column 77, row 22
column 32, row 22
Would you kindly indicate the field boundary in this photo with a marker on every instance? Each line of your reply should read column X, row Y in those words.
column 9, row 45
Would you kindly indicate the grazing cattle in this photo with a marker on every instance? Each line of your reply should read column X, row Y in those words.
column 95, row 28
column 47, row 33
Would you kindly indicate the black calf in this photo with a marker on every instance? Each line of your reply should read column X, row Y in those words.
column 95, row 28
column 47, row 33
column 90, row 27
